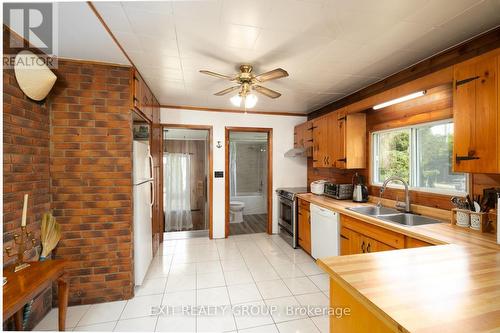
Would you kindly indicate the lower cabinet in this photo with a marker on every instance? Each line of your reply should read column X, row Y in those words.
column 360, row 318
column 358, row 237
column 304, row 222
column 413, row 242
column 353, row 242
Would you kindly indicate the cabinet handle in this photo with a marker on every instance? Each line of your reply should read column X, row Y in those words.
column 363, row 247
column 299, row 214
column 464, row 81
column 368, row 248
column 344, row 237
column 342, row 160
column 458, row 159
column 342, row 118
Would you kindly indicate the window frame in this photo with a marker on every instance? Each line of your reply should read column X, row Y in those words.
column 413, row 165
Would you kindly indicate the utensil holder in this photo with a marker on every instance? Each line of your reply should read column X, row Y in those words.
column 477, row 221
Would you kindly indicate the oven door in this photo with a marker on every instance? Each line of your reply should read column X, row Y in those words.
column 286, row 214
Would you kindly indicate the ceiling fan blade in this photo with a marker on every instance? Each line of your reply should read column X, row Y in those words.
column 277, row 73
column 225, row 91
column 220, row 76
column 266, row 91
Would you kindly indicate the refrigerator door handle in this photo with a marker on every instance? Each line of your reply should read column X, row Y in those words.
column 152, row 193
column 150, row 166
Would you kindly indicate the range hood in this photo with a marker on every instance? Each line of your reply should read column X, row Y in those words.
column 298, row 152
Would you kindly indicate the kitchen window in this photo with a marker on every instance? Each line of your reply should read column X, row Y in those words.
column 420, row 154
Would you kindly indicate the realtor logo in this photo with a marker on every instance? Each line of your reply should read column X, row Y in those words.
column 34, row 22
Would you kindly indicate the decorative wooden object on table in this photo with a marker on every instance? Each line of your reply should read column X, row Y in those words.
column 25, row 285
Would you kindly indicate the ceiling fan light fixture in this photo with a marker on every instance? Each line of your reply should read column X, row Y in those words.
column 236, row 100
column 250, row 101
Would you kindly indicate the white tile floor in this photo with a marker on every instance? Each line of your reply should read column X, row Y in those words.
column 237, row 272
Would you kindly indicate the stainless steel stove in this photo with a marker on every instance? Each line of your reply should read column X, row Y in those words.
column 287, row 213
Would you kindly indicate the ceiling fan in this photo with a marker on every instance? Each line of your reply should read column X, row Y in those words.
column 246, row 82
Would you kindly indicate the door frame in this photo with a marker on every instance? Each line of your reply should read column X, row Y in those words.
column 210, row 169
column 269, row 131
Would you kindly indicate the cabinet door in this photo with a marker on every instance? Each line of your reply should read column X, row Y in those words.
column 298, row 136
column 372, row 245
column 305, row 229
column 308, row 134
column 338, row 130
column 476, row 119
column 320, row 142
column 351, row 242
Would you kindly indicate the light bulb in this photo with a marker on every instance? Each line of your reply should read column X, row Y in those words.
column 250, row 101
column 236, row 100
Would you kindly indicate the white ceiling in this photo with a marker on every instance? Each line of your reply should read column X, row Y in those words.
column 81, row 35
column 330, row 48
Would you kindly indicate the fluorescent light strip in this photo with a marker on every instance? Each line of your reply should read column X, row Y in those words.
column 400, row 99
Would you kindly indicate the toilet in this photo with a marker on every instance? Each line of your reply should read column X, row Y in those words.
column 236, row 210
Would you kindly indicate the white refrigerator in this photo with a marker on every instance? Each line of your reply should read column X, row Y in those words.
column 143, row 209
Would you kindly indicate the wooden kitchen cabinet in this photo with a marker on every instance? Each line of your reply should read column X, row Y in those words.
column 411, row 242
column 321, row 142
column 353, row 242
column 350, row 146
column 361, row 237
column 302, row 135
column 476, row 115
column 143, row 97
column 304, row 224
column 339, row 140
column 360, row 319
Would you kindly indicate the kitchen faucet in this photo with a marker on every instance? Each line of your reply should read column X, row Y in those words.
column 399, row 205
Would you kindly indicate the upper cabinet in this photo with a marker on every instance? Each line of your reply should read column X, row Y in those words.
column 339, row 140
column 143, row 97
column 321, row 142
column 302, row 135
column 476, row 115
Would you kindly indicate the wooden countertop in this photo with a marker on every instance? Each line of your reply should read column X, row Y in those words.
column 445, row 288
column 451, row 287
column 440, row 233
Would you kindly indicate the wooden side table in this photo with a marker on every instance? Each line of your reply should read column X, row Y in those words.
column 25, row 285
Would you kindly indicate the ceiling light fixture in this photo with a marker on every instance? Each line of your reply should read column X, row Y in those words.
column 400, row 100
column 249, row 101
column 236, row 100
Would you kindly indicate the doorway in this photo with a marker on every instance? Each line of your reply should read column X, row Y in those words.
column 187, row 185
column 248, row 181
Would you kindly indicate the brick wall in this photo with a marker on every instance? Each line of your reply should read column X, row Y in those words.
column 91, row 178
column 25, row 168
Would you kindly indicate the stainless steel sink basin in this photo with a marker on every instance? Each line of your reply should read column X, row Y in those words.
column 393, row 215
column 373, row 210
column 408, row 219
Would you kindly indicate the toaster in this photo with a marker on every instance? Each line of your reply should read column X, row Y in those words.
column 318, row 187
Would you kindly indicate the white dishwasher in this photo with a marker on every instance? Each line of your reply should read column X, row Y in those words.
column 324, row 232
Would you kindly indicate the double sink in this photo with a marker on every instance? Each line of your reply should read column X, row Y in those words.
column 393, row 215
